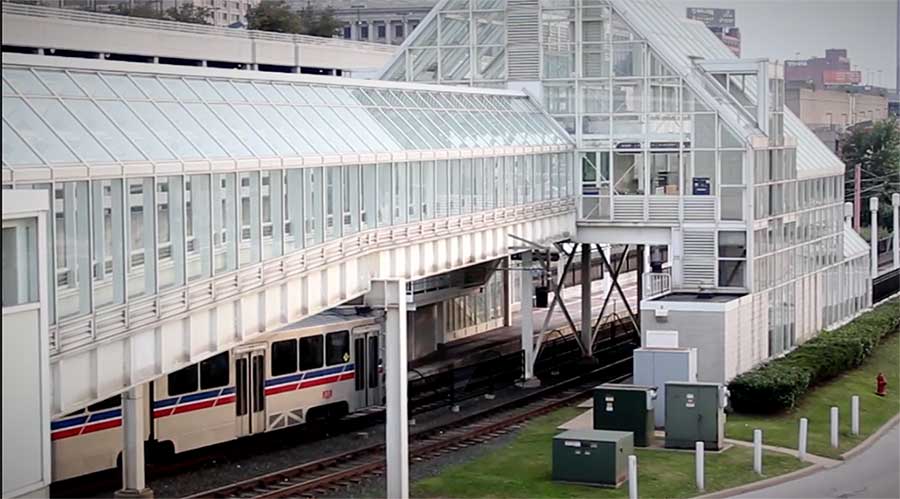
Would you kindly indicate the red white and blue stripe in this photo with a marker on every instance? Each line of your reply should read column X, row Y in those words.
column 309, row 379
column 85, row 423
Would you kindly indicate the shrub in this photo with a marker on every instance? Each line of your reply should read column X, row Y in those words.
column 779, row 384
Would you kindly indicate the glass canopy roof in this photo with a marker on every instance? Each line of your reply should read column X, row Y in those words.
column 74, row 116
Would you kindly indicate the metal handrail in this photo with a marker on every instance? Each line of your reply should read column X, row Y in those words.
column 199, row 29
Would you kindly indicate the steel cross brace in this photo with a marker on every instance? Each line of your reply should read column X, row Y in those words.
column 557, row 298
column 615, row 281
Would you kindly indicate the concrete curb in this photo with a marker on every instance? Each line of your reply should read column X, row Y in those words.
column 868, row 442
column 768, row 482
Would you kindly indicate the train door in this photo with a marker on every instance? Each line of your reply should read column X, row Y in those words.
column 367, row 366
column 250, row 389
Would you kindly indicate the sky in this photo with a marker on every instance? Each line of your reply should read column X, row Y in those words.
column 779, row 29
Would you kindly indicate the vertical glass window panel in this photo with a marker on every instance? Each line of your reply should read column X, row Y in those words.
column 628, row 59
column 16, row 151
column 24, row 81
column 312, row 209
column 170, row 219
column 104, row 130
column 292, row 127
column 732, row 203
column 664, row 173
column 385, row 193
column 151, row 87
column 478, row 197
column 92, row 84
column 560, row 99
column 595, row 97
column 731, row 273
column 732, row 244
column 442, row 186
column 732, row 165
column 73, row 249
column 195, row 132
column 141, row 254
column 468, row 185
column 350, row 199
column 414, row 190
column 456, row 181
column 138, row 132
column 198, row 202
column 294, row 193
column 704, row 177
column 704, row 135
column 333, row 212
column 223, row 132
column 224, row 222
column 369, row 197
column 251, row 219
column 20, row 262
column 628, row 173
column 427, row 194
column 75, row 135
column 272, row 187
column 248, row 134
column 627, row 97
column 728, row 139
column 509, row 181
column 595, row 59
column 399, row 193
column 109, row 242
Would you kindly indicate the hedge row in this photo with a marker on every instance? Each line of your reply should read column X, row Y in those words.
column 779, row 384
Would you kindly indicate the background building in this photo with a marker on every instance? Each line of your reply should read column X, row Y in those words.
column 829, row 111
column 380, row 21
column 833, row 69
column 721, row 23
column 224, row 12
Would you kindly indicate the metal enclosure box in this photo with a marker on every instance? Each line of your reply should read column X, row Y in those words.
column 592, row 457
column 625, row 408
column 658, row 366
column 695, row 412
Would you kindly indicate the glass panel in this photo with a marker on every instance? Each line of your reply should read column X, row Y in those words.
column 151, row 87
column 92, row 84
column 272, row 187
column 224, row 222
column 313, row 222
column 732, row 203
column 227, row 91
column 15, row 151
column 314, row 128
column 385, row 188
column 664, row 173
column 72, row 239
column 238, row 126
column 199, row 226
column 70, row 130
column 249, row 215
column 369, row 201
column 104, row 130
column 704, row 177
column 24, row 81
column 109, row 242
column 170, row 231
column 266, row 131
column 123, row 86
column 249, row 91
column 179, row 88
column 141, row 135
column 194, row 131
column 311, row 352
column 628, row 173
column 290, row 128
column 139, row 195
column 350, row 199
column 732, row 164
column 220, row 131
column 204, row 89
column 732, row 244
column 399, row 192
column 332, row 193
column 731, row 273
column 293, row 187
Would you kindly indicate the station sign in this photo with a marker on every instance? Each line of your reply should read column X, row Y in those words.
column 701, row 186
column 720, row 18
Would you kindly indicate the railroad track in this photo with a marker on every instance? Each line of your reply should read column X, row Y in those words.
column 334, row 473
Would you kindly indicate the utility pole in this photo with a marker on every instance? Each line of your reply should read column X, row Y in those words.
column 857, row 201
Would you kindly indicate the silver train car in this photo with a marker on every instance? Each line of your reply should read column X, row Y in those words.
column 323, row 367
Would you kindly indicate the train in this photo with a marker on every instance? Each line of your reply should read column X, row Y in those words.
column 321, row 368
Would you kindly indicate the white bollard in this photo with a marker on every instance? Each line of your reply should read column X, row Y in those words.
column 834, row 427
column 854, row 415
column 801, row 448
column 632, row 477
column 757, row 451
column 699, row 461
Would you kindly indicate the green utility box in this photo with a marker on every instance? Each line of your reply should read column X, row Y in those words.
column 625, row 408
column 592, row 457
column 695, row 412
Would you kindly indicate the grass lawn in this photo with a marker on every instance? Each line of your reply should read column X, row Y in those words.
column 522, row 469
column 874, row 411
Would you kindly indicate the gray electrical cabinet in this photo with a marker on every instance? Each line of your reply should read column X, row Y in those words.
column 695, row 412
column 592, row 457
column 625, row 408
column 658, row 366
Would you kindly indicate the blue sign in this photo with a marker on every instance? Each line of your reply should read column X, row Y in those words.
column 701, row 186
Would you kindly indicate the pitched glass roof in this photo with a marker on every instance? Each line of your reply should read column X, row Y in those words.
column 69, row 115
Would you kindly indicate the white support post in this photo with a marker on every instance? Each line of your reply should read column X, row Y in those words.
column 757, row 451
column 396, row 429
column 801, row 447
column 895, row 205
column 133, row 410
column 698, row 451
column 525, row 314
column 632, row 477
column 854, row 415
column 586, row 319
column 834, row 427
column 873, row 237
column 848, row 214
column 507, row 293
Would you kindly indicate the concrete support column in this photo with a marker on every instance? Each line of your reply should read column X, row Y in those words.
column 586, row 319
column 641, row 251
column 507, row 293
column 133, row 412
column 873, row 237
column 525, row 313
column 391, row 294
column 895, row 204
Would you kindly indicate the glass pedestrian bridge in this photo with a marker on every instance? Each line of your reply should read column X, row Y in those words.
column 193, row 208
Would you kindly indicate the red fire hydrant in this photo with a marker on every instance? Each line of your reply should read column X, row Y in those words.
column 880, row 385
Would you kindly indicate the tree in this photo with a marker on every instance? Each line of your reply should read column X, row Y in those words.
column 317, row 23
column 146, row 10
column 274, row 15
column 188, row 13
column 876, row 150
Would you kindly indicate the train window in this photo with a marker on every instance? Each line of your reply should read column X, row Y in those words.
column 284, row 357
column 337, row 348
column 310, row 352
column 214, row 371
column 183, row 380
column 114, row 401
